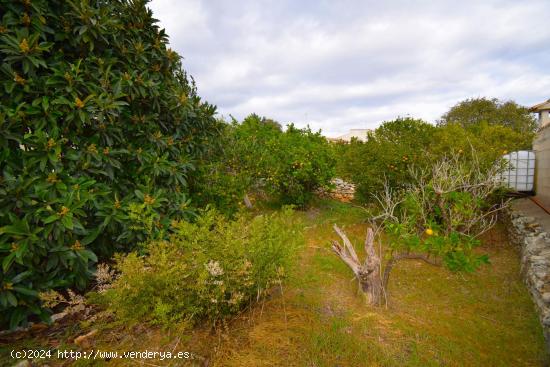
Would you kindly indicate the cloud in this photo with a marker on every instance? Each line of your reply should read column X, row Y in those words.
column 337, row 65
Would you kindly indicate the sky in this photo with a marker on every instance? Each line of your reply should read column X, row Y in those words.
column 353, row 64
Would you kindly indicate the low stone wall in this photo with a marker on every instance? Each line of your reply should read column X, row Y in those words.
column 534, row 245
column 343, row 191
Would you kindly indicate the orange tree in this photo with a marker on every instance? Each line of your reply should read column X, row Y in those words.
column 387, row 155
column 257, row 154
column 397, row 146
column 99, row 131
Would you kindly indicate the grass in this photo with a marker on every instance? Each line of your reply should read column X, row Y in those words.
column 433, row 317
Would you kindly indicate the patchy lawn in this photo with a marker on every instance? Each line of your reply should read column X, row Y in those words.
column 433, row 318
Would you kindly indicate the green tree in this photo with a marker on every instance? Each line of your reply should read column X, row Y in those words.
column 99, row 131
column 472, row 112
column 256, row 155
column 437, row 218
column 386, row 156
column 487, row 142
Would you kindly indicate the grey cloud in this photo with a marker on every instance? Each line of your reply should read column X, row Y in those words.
column 337, row 65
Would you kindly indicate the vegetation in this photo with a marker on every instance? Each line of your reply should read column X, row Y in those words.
column 107, row 153
column 394, row 148
column 208, row 270
column 256, row 155
column 387, row 155
column 475, row 111
column 100, row 127
column 434, row 317
column 438, row 217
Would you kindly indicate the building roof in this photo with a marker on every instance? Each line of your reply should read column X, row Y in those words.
column 540, row 107
column 360, row 134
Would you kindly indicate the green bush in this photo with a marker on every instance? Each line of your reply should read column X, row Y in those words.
column 386, row 156
column 475, row 111
column 398, row 146
column 99, row 131
column 256, row 154
column 443, row 211
column 207, row 270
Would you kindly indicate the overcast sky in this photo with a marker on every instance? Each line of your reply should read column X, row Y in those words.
column 338, row 65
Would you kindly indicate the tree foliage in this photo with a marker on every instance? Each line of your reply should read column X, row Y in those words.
column 438, row 217
column 443, row 211
column 475, row 111
column 396, row 146
column 386, row 155
column 99, row 131
column 257, row 155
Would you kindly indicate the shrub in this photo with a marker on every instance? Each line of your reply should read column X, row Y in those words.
column 207, row 270
column 397, row 146
column 98, row 123
column 436, row 218
column 444, row 211
column 387, row 155
column 288, row 165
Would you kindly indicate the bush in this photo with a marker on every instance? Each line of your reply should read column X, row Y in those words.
column 99, row 131
column 397, row 146
column 207, row 270
column 288, row 165
column 444, row 211
column 387, row 155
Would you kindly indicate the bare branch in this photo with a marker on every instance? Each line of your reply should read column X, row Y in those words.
column 347, row 243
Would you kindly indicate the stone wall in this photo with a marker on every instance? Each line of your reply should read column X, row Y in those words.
column 534, row 245
column 343, row 191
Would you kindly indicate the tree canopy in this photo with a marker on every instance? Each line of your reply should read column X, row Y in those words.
column 100, row 129
column 475, row 111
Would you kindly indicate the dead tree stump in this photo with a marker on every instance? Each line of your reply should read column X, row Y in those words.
column 366, row 273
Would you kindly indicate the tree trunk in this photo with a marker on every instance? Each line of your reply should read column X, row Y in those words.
column 366, row 273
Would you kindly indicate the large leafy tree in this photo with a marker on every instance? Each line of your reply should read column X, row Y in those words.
column 386, row 156
column 99, row 131
column 474, row 111
column 257, row 155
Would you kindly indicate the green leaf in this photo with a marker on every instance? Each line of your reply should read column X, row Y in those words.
column 67, row 221
column 26, row 291
column 17, row 316
column 91, row 237
column 12, row 300
column 8, row 260
column 20, row 228
column 52, row 218
column 90, row 255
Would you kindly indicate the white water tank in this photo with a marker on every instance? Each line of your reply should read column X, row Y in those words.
column 520, row 174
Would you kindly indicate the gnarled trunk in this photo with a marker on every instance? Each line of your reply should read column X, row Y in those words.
column 366, row 273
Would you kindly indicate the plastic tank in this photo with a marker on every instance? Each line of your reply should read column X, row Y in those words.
column 520, row 174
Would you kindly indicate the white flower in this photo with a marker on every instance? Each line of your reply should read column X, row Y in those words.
column 214, row 268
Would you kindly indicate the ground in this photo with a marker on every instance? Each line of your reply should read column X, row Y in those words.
column 433, row 317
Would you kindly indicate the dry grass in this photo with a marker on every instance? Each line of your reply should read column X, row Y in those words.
column 433, row 317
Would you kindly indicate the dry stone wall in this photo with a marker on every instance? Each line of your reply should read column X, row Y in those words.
column 534, row 245
column 343, row 191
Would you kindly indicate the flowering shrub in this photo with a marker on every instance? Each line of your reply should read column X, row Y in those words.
column 207, row 270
